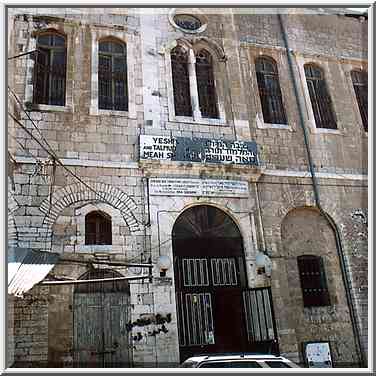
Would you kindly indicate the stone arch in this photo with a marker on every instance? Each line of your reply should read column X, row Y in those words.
column 74, row 193
column 213, row 47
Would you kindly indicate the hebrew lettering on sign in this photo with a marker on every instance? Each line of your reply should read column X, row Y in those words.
column 201, row 150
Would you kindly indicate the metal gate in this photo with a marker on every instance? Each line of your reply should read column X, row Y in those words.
column 101, row 312
column 260, row 320
column 216, row 311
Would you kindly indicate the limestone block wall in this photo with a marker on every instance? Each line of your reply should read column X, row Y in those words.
column 30, row 329
column 344, row 201
column 101, row 147
column 341, row 151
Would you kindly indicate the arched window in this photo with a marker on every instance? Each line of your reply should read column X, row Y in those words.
column 320, row 99
column 98, row 228
column 180, row 81
column 270, row 91
column 205, row 84
column 360, row 83
column 50, row 70
column 112, row 76
column 313, row 281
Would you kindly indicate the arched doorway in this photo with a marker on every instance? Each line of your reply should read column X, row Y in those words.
column 210, row 279
column 100, row 315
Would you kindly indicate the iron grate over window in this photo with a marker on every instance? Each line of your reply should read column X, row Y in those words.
column 206, row 85
column 360, row 83
column 320, row 99
column 180, row 81
column 313, row 281
column 270, row 92
column 98, row 229
column 112, row 76
column 50, row 70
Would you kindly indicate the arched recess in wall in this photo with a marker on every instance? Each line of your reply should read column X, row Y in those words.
column 100, row 192
column 315, row 298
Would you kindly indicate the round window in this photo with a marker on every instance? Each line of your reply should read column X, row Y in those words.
column 187, row 22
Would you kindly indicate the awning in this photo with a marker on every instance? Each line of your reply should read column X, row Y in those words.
column 27, row 267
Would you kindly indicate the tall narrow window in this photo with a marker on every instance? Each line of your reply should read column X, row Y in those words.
column 270, row 91
column 205, row 84
column 98, row 228
column 50, row 70
column 313, row 281
column 360, row 82
column 320, row 99
column 180, row 81
column 112, row 76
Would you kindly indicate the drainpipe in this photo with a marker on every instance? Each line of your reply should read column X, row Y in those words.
column 331, row 223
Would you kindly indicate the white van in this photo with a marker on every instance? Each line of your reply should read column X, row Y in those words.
column 238, row 361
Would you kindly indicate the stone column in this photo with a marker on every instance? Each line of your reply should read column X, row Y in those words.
column 193, row 85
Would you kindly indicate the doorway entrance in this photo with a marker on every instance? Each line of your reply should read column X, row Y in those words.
column 100, row 315
column 215, row 308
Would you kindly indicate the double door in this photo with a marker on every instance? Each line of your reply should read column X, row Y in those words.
column 100, row 333
column 216, row 311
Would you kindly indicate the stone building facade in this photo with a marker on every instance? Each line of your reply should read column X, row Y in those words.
column 267, row 204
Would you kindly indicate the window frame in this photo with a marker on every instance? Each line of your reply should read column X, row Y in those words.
column 359, row 108
column 320, row 84
column 302, row 60
column 112, row 56
column 313, row 262
column 99, row 219
column 128, row 39
column 275, row 76
column 49, row 51
column 66, row 31
column 117, row 221
column 196, row 117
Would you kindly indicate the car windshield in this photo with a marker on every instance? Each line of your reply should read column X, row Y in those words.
column 231, row 364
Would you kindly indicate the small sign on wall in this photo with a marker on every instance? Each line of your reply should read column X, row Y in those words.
column 198, row 187
column 318, row 354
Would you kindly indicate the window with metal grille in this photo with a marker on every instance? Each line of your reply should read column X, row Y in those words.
column 224, row 272
column 270, row 91
column 195, row 272
column 360, row 83
column 313, row 281
column 205, row 84
column 98, row 229
column 50, row 70
column 196, row 326
column 112, row 76
column 320, row 99
column 180, row 81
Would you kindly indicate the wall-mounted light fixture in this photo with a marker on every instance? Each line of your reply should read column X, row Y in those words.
column 263, row 264
column 164, row 263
